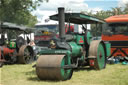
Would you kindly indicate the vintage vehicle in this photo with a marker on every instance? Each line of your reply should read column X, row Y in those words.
column 116, row 32
column 44, row 33
column 71, row 50
column 13, row 47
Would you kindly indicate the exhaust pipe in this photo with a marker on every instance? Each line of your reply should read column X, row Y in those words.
column 61, row 24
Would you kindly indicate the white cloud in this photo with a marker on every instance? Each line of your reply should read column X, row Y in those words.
column 121, row 3
column 94, row 10
column 68, row 4
column 43, row 15
column 50, row 8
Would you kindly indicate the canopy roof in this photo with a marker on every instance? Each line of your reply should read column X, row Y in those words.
column 117, row 18
column 11, row 26
column 78, row 18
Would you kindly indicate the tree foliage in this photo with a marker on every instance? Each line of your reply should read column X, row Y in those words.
column 18, row 11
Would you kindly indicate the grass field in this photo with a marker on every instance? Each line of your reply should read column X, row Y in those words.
column 25, row 75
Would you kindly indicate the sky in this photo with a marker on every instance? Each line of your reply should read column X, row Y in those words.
column 49, row 8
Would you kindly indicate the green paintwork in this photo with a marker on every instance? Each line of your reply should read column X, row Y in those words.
column 91, row 18
column 100, row 56
column 89, row 36
column 78, row 18
column 82, row 58
column 53, row 51
column 76, row 49
column 66, row 73
column 108, row 48
column 79, row 39
column 12, row 44
column 74, row 37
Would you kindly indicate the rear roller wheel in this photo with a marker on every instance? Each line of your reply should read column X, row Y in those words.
column 97, row 58
column 50, row 67
column 26, row 54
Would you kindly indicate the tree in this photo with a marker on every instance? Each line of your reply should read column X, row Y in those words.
column 18, row 11
column 126, row 9
column 105, row 14
column 117, row 11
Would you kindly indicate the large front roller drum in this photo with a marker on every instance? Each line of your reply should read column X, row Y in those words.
column 97, row 59
column 25, row 54
column 50, row 67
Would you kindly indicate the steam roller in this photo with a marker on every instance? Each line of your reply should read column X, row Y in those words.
column 15, row 48
column 72, row 50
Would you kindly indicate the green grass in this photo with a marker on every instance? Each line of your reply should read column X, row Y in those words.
column 25, row 75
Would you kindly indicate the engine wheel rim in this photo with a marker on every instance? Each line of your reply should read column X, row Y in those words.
column 27, row 55
column 100, row 56
column 65, row 73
